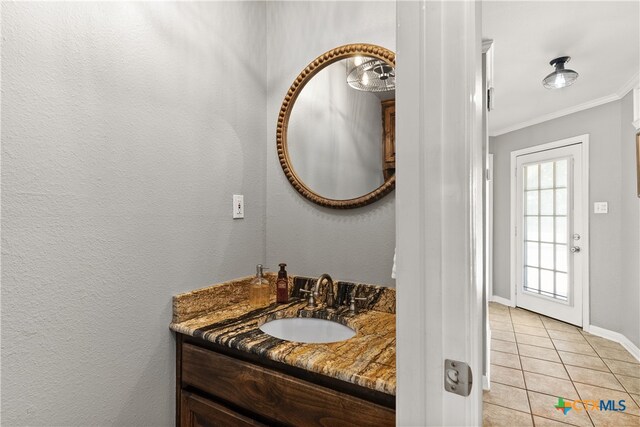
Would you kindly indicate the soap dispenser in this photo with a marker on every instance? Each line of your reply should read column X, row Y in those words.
column 259, row 289
column 282, row 285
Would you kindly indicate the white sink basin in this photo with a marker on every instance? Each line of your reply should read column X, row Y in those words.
column 308, row 330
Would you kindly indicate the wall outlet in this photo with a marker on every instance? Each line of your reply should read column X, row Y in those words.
column 238, row 206
column 601, row 207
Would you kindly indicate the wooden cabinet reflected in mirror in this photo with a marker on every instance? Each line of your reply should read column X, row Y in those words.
column 389, row 138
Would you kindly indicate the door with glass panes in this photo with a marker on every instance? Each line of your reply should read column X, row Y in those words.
column 548, row 233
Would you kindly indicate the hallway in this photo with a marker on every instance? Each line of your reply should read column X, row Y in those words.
column 535, row 360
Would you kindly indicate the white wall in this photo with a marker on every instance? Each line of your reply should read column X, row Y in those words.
column 610, row 169
column 355, row 244
column 126, row 128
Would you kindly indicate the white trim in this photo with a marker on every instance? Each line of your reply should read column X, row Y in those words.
column 486, row 378
column 581, row 139
column 555, row 115
column 636, row 108
column 439, row 225
column 489, row 225
column 615, row 336
column 619, row 94
column 629, row 86
column 503, row 301
column 487, row 291
column 586, row 234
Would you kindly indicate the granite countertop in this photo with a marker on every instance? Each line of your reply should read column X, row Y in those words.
column 221, row 314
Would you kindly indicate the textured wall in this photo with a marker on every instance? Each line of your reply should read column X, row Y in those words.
column 629, row 226
column 126, row 127
column 609, row 289
column 356, row 244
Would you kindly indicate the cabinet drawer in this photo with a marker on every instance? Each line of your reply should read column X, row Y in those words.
column 197, row 411
column 274, row 395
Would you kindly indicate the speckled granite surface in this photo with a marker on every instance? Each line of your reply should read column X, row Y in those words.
column 221, row 314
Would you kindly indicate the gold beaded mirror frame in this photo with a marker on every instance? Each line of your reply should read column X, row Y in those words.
column 322, row 61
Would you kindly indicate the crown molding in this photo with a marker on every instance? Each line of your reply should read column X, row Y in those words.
column 555, row 115
column 629, row 86
column 619, row 94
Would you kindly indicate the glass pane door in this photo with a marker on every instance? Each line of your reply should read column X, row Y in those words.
column 546, row 229
column 549, row 256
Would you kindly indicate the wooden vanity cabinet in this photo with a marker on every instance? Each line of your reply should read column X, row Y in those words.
column 219, row 387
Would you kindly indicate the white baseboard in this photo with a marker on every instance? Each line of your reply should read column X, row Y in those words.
column 502, row 301
column 615, row 336
column 485, row 382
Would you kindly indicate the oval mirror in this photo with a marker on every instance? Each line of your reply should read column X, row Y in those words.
column 336, row 128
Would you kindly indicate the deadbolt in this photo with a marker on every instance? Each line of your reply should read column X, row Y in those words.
column 576, row 236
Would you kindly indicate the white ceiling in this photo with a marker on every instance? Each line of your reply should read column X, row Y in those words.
column 602, row 38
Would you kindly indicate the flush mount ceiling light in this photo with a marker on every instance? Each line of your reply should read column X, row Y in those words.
column 371, row 75
column 561, row 77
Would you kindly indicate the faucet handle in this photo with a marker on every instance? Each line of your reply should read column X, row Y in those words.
column 352, row 301
column 311, row 302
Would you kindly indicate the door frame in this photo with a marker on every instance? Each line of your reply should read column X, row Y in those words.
column 584, row 236
column 439, row 217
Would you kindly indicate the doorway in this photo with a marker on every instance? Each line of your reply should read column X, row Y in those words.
column 550, row 229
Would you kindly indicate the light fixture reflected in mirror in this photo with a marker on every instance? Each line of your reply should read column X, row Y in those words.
column 371, row 75
column 561, row 77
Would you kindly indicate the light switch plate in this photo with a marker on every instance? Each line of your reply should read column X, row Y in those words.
column 601, row 207
column 238, row 206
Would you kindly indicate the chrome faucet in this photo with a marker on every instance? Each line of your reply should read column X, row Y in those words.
column 313, row 294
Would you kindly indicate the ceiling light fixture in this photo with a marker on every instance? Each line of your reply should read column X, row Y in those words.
column 561, row 77
column 371, row 75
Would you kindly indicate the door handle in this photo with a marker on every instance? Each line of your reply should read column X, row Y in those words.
column 575, row 249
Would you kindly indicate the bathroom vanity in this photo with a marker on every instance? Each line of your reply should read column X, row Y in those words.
column 230, row 372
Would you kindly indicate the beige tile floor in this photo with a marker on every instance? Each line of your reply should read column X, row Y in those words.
column 535, row 360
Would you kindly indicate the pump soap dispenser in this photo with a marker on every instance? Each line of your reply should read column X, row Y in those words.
column 259, row 289
column 282, row 285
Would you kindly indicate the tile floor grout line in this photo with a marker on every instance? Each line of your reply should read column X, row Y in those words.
column 578, row 332
column 524, row 380
column 565, row 368
column 610, row 371
column 542, row 392
column 530, row 357
column 635, row 375
column 602, row 386
column 633, row 399
column 569, row 351
column 596, row 350
column 506, row 407
column 571, row 379
column 559, row 422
